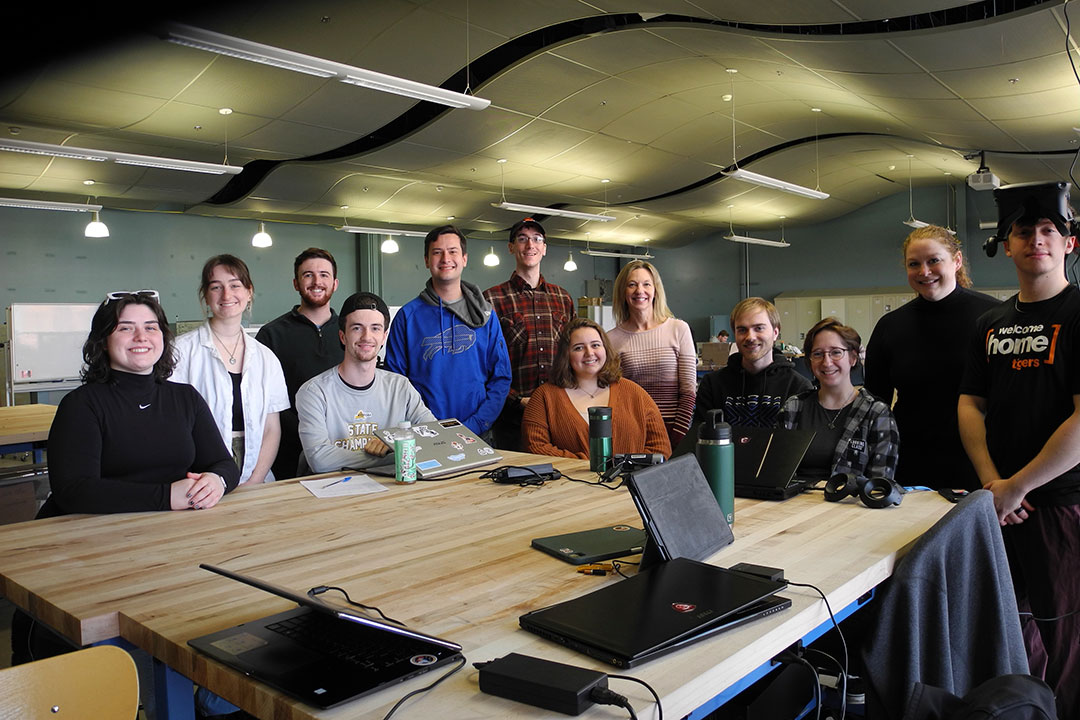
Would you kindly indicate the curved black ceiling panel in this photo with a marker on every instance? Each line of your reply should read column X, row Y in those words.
column 505, row 56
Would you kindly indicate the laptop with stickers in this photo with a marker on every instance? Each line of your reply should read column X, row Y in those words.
column 444, row 447
column 321, row 653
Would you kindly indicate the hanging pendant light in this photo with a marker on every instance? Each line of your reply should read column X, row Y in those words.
column 262, row 238
column 95, row 228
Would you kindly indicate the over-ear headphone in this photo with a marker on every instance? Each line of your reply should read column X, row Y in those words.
column 873, row 492
column 1048, row 200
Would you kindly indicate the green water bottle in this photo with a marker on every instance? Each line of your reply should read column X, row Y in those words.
column 599, row 439
column 404, row 454
column 716, row 455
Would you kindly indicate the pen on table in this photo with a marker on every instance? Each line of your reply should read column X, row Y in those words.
column 344, row 479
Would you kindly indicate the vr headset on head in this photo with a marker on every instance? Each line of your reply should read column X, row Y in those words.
column 1029, row 203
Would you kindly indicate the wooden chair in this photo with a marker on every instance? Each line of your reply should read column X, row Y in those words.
column 97, row 683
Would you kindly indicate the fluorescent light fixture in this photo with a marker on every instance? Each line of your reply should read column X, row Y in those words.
column 570, row 265
column 381, row 231
column 389, row 246
column 95, row 228
column 911, row 222
column 310, row 65
column 756, row 241
column 48, row 205
column 608, row 253
column 491, row 259
column 771, row 182
column 988, row 225
column 518, row 207
column 120, row 158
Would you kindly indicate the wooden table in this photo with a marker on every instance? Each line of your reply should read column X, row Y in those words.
column 451, row 558
column 22, row 426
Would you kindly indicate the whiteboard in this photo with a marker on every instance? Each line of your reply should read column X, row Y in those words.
column 45, row 341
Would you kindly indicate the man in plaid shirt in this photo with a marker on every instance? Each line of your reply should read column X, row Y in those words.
column 532, row 312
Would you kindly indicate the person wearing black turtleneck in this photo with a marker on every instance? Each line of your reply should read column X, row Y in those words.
column 919, row 350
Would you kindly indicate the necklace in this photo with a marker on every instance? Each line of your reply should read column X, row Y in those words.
column 591, row 395
column 232, row 353
column 836, row 413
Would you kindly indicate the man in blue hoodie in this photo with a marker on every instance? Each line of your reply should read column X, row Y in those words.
column 449, row 343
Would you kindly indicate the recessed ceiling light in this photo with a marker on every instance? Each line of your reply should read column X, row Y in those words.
column 726, row 97
column 501, row 160
column 815, row 109
column 225, row 111
column 450, row 217
column 731, row 70
column 606, row 180
column 344, row 207
column 645, row 239
column 88, row 181
column 892, row 167
column 1013, row 81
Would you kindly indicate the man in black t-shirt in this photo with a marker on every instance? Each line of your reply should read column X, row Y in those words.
column 1019, row 415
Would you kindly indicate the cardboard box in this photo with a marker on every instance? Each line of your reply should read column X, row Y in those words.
column 17, row 501
column 714, row 355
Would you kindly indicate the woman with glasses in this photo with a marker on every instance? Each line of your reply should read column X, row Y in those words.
column 854, row 433
column 240, row 378
column 941, row 318
column 127, row 440
column 655, row 348
column 586, row 374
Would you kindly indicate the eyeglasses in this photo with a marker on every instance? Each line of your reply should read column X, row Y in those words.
column 121, row 294
column 834, row 353
column 524, row 239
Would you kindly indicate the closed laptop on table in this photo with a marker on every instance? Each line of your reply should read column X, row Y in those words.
column 444, row 447
column 320, row 653
column 664, row 608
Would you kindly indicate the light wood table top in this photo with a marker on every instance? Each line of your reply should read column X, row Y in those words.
column 25, row 423
column 450, row 558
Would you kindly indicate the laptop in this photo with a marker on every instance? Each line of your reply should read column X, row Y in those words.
column 320, row 653
column 444, row 447
column 657, row 611
column 766, row 460
column 589, row 546
column 681, row 516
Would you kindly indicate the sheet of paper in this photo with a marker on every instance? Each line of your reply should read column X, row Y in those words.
column 342, row 485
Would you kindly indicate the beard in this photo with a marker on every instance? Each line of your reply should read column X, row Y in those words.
column 315, row 302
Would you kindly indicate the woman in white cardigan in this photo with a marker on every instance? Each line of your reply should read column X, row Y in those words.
column 240, row 378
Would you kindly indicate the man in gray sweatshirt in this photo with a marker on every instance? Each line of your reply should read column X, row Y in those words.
column 342, row 409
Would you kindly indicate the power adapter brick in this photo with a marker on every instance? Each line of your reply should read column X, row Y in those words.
column 542, row 683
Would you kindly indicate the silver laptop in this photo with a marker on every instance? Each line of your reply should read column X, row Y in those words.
column 444, row 447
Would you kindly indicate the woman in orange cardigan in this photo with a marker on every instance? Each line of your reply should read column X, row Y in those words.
column 586, row 374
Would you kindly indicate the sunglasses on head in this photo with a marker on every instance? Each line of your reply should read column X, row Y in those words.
column 121, row 294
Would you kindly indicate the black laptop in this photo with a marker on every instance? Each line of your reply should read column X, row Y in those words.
column 664, row 608
column 766, row 460
column 320, row 653
column 589, row 546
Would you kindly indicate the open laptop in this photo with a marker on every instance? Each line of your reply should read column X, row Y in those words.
column 766, row 460
column 664, row 608
column 444, row 447
column 589, row 546
column 320, row 653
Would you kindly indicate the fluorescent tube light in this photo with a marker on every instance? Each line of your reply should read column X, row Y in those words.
column 381, row 231
column 913, row 223
column 519, row 207
column 756, row 241
column 608, row 253
column 48, row 205
column 120, row 158
column 310, row 65
column 771, row 182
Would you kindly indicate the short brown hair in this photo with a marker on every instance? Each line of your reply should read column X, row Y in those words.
column 847, row 334
column 755, row 304
column 947, row 240
column 561, row 373
column 231, row 263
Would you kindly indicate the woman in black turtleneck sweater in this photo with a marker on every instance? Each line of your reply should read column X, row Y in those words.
column 918, row 350
column 127, row 440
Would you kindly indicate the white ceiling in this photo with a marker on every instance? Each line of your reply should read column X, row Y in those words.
column 641, row 104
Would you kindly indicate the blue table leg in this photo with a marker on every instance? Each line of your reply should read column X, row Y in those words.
column 174, row 694
column 762, row 670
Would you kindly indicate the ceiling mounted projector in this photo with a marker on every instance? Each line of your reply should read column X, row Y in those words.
column 983, row 179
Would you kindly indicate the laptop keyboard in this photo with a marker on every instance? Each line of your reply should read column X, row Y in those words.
column 346, row 641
